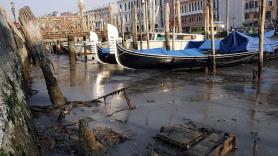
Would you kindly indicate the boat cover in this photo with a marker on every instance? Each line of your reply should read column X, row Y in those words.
column 207, row 45
column 194, row 44
column 239, row 42
column 174, row 53
column 106, row 50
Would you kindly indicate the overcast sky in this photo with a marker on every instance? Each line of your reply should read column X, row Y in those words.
column 42, row 7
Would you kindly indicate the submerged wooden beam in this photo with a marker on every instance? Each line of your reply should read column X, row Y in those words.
column 34, row 39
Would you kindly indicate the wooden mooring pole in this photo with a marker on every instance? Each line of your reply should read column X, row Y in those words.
column 206, row 15
column 140, row 25
column 166, row 26
column 179, row 16
column 174, row 23
column 147, row 24
column 134, row 28
column 261, row 34
column 211, row 19
column 227, row 16
column 34, row 39
column 84, row 47
column 72, row 49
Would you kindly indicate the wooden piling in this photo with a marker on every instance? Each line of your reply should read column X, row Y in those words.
column 140, row 25
column 261, row 39
column 84, row 47
column 34, row 39
column 166, row 26
column 88, row 142
column 153, row 16
column 147, row 24
column 72, row 49
column 179, row 16
column 174, row 23
column 206, row 15
column 227, row 16
column 211, row 19
column 134, row 28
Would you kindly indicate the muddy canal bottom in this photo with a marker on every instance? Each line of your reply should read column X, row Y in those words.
column 229, row 102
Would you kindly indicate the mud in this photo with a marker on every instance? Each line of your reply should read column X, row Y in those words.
column 229, row 102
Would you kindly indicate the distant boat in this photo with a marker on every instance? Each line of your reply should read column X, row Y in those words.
column 233, row 50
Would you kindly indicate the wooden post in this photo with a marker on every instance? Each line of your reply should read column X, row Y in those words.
column 174, row 23
column 122, row 28
column 88, row 142
column 84, row 47
column 72, row 49
column 166, row 25
column 34, row 39
column 206, row 16
column 211, row 14
column 140, row 25
column 227, row 16
column 134, row 27
column 261, row 33
column 147, row 24
column 153, row 16
column 179, row 16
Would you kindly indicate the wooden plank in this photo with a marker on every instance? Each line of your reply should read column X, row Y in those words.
column 182, row 137
column 189, row 140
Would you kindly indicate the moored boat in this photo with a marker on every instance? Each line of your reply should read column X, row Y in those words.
column 233, row 50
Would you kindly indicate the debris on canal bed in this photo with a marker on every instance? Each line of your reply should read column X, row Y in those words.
column 190, row 140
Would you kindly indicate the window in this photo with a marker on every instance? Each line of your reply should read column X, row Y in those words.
column 252, row 4
column 256, row 4
column 269, row 3
column 246, row 15
column 246, row 6
column 256, row 15
column 268, row 15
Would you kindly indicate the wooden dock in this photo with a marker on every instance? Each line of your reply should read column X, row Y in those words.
column 190, row 140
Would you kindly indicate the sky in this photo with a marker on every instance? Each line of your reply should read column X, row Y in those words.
column 43, row 7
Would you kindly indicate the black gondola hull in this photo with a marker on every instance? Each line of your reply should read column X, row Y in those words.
column 105, row 58
column 134, row 60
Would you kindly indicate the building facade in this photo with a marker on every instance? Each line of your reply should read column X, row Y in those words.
column 192, row 14
column 126, row 6
column 252, row 12
column 97, row 18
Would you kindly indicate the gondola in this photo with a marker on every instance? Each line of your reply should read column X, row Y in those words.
column 233, row 50
column 140, row 60
column 104, row 56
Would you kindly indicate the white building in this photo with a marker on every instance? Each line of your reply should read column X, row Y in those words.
column 97, row 18
column 126, row 6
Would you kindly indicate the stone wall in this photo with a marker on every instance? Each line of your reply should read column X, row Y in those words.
column 16, row 129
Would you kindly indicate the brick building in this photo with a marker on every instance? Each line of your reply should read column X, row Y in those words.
column 252, row 12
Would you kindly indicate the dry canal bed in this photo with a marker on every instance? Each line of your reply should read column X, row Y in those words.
column 229, row 102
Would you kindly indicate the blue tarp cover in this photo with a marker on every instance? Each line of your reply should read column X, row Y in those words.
column 194, row 44
column 106, row 50
column 175, row 53
column 239, row 42
column 207, row 45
